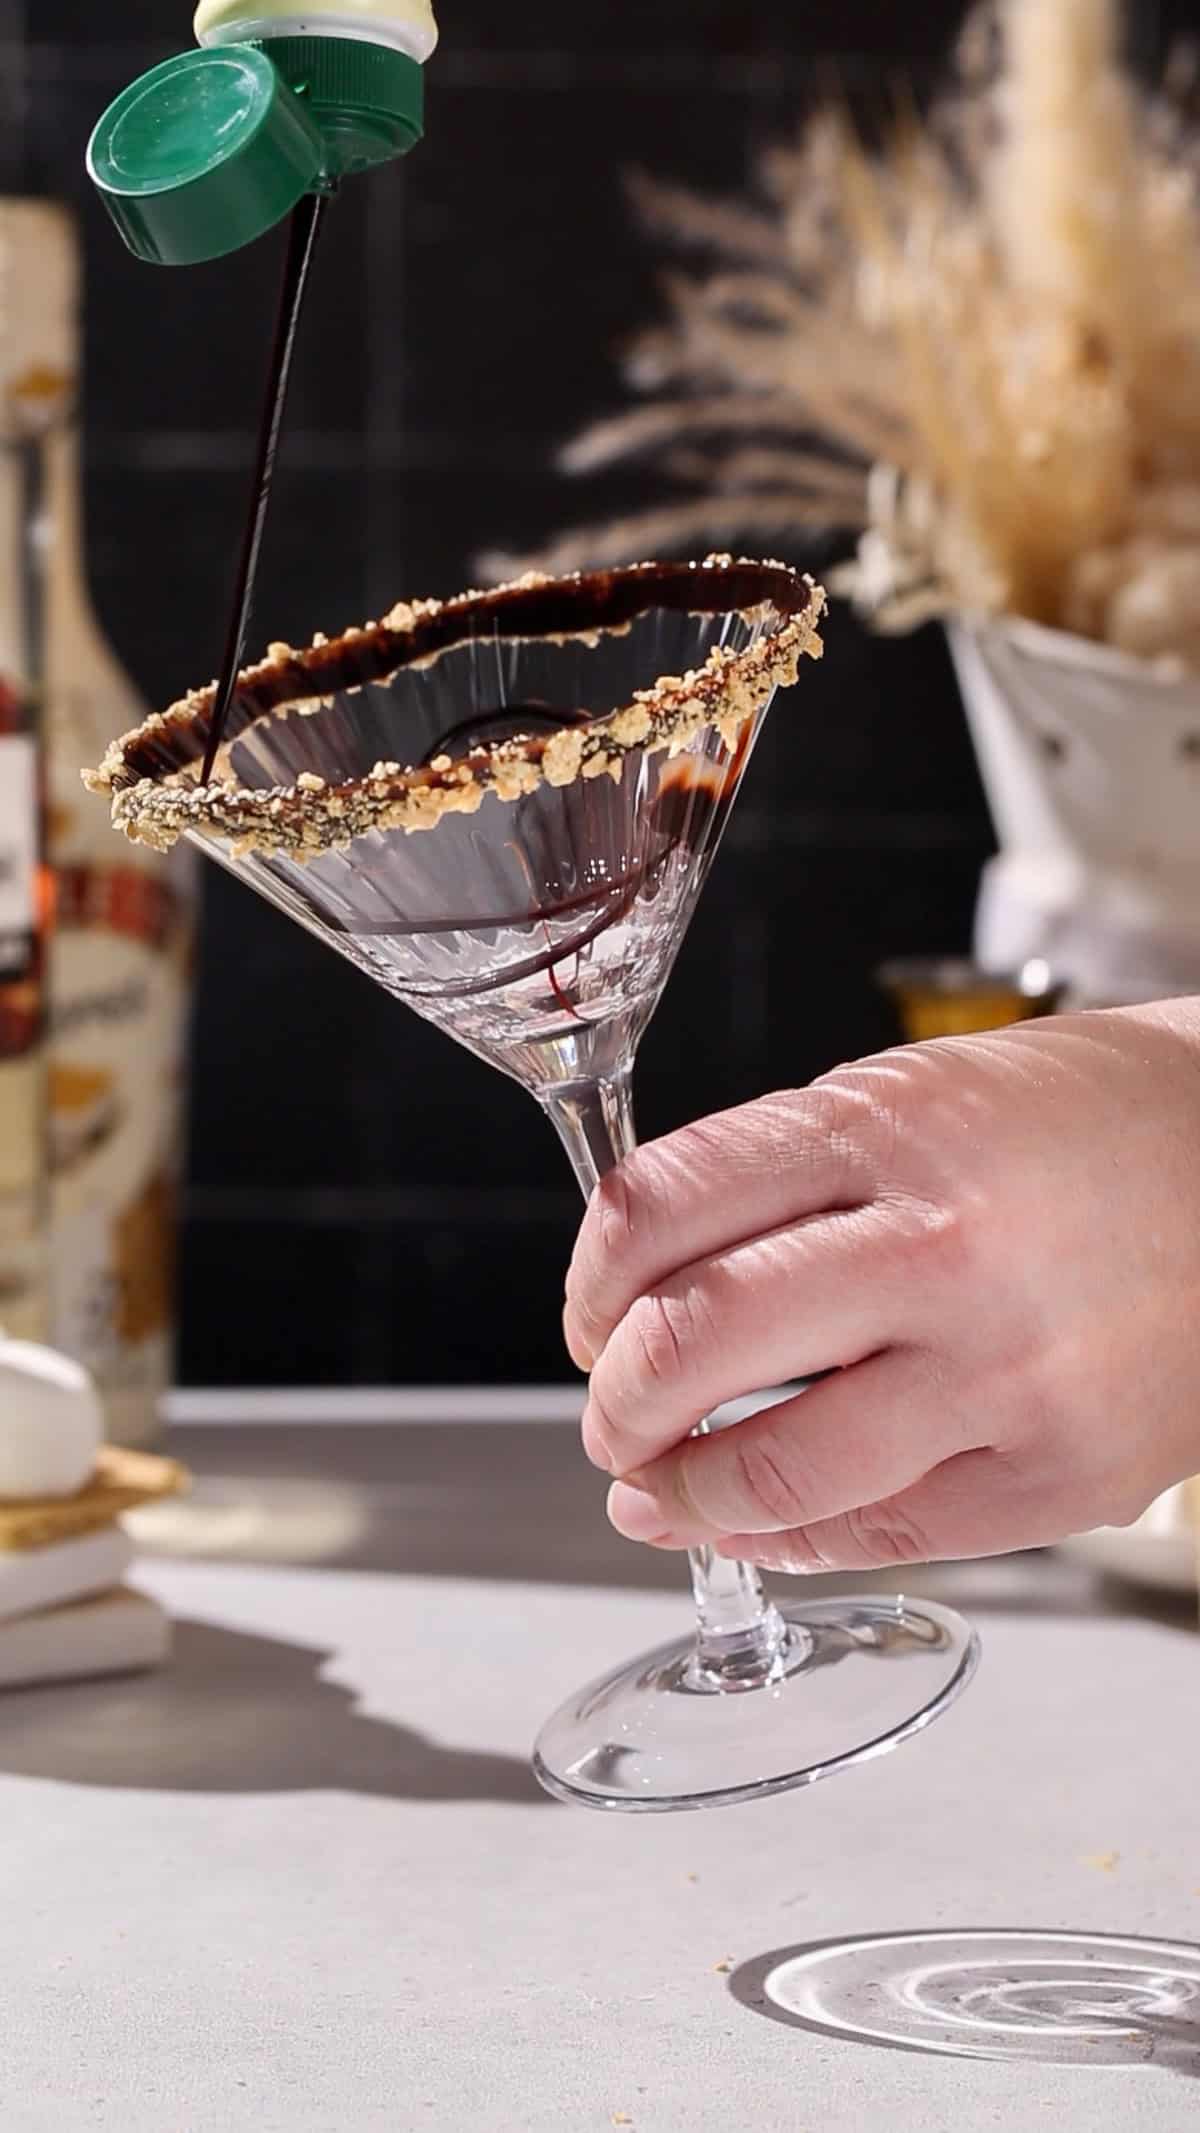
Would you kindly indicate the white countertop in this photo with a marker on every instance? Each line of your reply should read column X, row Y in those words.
column 303, row 1882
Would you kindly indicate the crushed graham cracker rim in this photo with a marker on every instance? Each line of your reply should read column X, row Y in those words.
column 151, row 776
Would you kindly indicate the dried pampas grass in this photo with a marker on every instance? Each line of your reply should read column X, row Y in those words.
column 978, row 350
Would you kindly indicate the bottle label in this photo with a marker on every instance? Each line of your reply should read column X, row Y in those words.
column 106, row 1080
column 22, row 1061
column 117, row 1001
column 119, row 981
column 18, row 847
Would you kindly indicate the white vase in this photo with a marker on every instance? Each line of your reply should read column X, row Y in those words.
column 1091, row 763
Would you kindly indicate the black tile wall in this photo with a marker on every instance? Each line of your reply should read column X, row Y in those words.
column 342, row 1224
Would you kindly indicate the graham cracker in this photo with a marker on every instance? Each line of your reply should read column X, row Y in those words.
column 121, row 1481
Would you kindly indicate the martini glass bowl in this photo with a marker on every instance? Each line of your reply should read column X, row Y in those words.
column 503, row 808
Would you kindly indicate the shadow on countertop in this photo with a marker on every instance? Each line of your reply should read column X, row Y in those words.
column 238, row 1713
column 1062, row 1999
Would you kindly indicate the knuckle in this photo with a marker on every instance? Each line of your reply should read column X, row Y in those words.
column 658, row 1350
column 830, row 1549
column 857, row 1110
column 668, row 1330
column 766, row 1481
column 886, row 1534
column 932, row 1242
column 955, row 1242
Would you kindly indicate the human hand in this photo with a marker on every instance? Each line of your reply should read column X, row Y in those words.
column 992, row 1242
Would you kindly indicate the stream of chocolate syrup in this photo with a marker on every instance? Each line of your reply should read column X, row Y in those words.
column 689, row 793
column 305, row 228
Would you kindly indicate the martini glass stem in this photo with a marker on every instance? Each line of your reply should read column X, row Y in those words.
column 742, row 1640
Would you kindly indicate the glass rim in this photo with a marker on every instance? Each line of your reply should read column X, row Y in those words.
column 145, row 774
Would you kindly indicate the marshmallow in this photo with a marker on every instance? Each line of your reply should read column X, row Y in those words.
column 51, row 1422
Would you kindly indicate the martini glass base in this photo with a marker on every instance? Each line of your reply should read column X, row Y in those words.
column 689, row 1726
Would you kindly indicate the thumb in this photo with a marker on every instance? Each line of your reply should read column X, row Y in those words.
column 974, row 1504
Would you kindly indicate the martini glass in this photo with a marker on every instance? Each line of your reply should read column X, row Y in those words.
column 503, row 809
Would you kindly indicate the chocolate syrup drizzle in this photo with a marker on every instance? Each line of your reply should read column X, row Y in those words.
column 304, row 230
column 684, row 816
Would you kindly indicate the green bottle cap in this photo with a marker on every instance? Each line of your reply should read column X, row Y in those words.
column 204, row 154
column 367, row 99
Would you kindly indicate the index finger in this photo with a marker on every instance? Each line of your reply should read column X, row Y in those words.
column 710, row 1187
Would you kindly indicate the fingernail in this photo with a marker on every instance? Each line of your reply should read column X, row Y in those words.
column 635, row 1514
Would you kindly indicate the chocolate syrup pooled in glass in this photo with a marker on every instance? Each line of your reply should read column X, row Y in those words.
column 690, row 792
column 512, row 722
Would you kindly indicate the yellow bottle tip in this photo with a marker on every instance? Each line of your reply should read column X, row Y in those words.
column 404, row 25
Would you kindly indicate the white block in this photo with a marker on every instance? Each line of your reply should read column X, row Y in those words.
column 122, row 1632
column 32, row 1579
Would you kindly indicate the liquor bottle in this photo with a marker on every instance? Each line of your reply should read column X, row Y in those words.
column 24, row 1150
column 120, row 946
